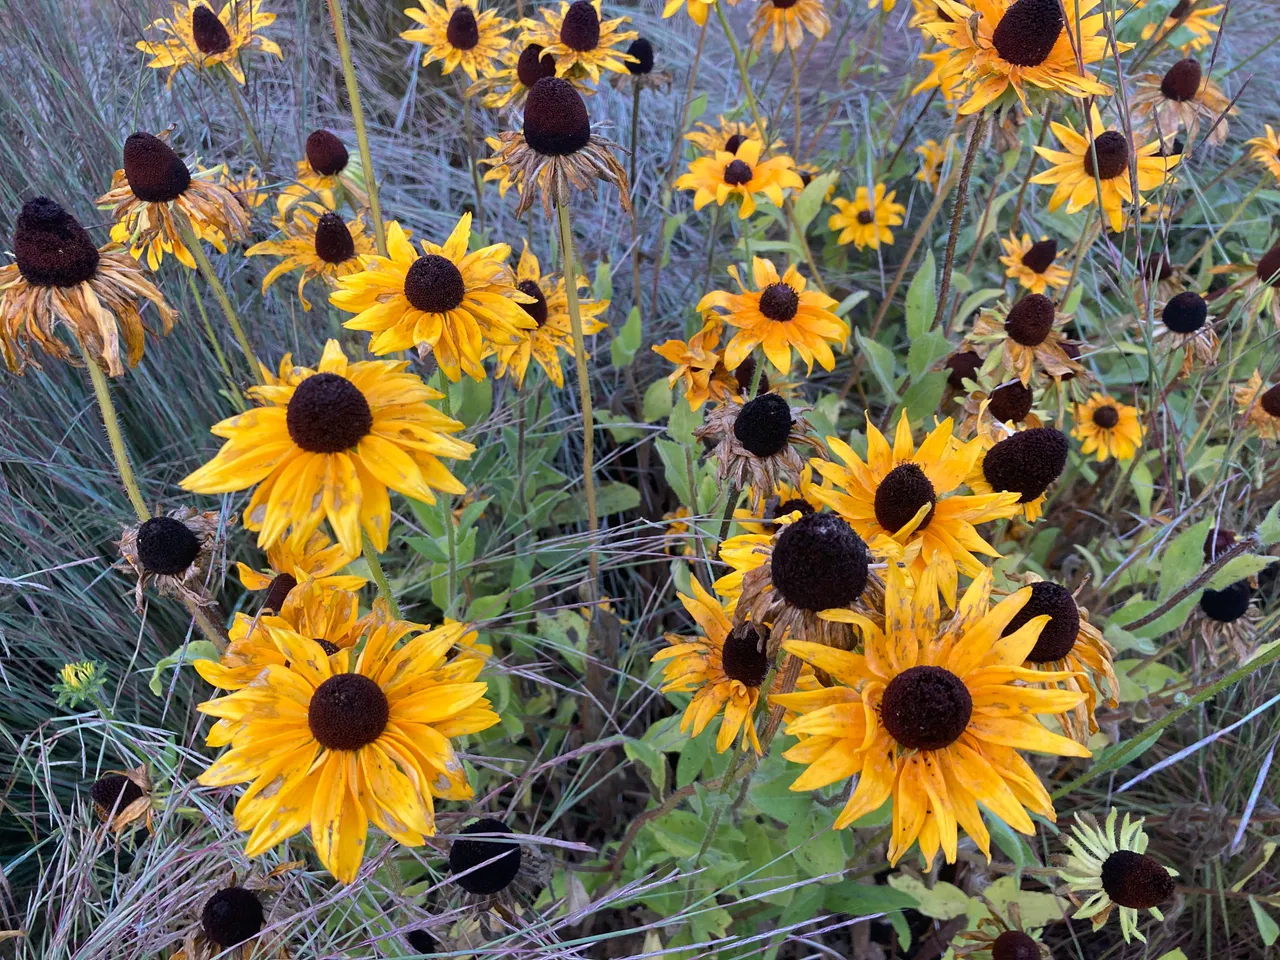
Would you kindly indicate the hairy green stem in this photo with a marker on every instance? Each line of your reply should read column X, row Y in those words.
column 380, row 576
column 219, row 293
column 112, row 424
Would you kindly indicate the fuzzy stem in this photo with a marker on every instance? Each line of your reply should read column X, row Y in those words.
column 451, row 535
column 380, row 577
column 584, row 388
column 467, row 122
column 112, row 424
column 219, row 293
column 357, row 120
column 957, row 213
column 635, row 221
column 243, row 110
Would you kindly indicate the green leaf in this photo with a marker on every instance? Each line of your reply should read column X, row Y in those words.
column 657, row 401
column 922, row 300
column 477, row 401
column 943, row 901
column 880, row 358
column 1014, row 846
column 1268, row 929
column 975, row 300
column 487, row 608
column 849, row 302
column 610, row 498
column 859, row 899
column 924, row 395
column 817, row 849
column 694, row 755
column 926, row 349
column 677, row 467
column 1239, row 568
column 195, row 650
column 811, row 200
column 1182, row 559
column 697, row 107
column 1143, row 486
column 602, row 283
column 1143, row 682
column 680, row 833
column 1269, row 529
column 626, row 343
column 652, row 758
column 683, row 421
column 775, row 798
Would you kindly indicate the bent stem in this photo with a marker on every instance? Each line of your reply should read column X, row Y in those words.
column 379, row 576
column 357, row 121
column 584, row 388
column 193, row 244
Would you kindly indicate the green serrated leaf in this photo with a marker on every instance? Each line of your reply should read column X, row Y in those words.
column 1239, row 568
column 922, row 300
column 926, row 349
column 812, row 198
column 626, row 343
column 880, row 359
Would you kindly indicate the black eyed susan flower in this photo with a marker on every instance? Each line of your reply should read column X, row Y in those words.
column 1073, row 649
column 328, row 444
column 495, row 869
column 445, row 300
column 779, row 315
column 550, row 311
column 641, row 74
column 1023, row 341
column 524, row 64
column 1226, row 622
column 699, row 365
column 334, row 744
column 1107, row 428
column 787, row 21
column 328, row 175
column 1191, row 15
column 248, row 188
column 997, row 45
column 457, row 34
column 193, row 35
column 908, row 496
column 997, row 938
column 756, row 442
column 724, row 669
column 232, row 918
column 556, row 152
column 1265, row 150
column 1098, row 163
column 1009, row 403
column 1032, row 264
column 933, row 716
column 961, row 366
column 728, row 135
column 296, row 560
column 173, row 553
column 580, row 40
column 865, row 220
column 699, row 10
column 933, row 157
column 1026, row 462
column 1259, row 406
column 122, row 798
column 1113, row 870
column 741, row 174
column 155, row 191
column 792, row 580
column 1185, row 324
column 59, row 278
column 317, row 243
column 1182, row 99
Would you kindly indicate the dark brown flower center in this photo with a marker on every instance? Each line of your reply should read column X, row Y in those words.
column 1270, row 401
column 328, row 414
column 50, row 246
column 278, row 592
column 1180, row 9
column 745, row 372
column 348, row 711
column 1010, row 403
column 1159, row 268
column 1136, row 880
column 961, row 367
column 463, row 33
column 1268, row 269
column 326, row 154
column 1106, row 417
column 1026, row 462
column 901, row 494
column 333, row 240
column 926, row 708
column 155, row 173
column 1027, row 32
column 743, row 656
column 434, row 284
column 210, row 35
column 1217, row 543
column 1030, row 320
column 1185, row 313
column 533, row 65
column 737, row 172
column 537, row 309
column 734, row 142
column 1059, row 634
column 1040, row 257
column 231, row 916
column 555, row 118
column 1015, row 945
column 819, row 563
column 114, row 792
column 642, row 50
column 785, row 4
column 580, row 29
column 329, row 648
column 1182, row 82
column 166, row 546
column 779, row 302
column 763, row 424
column 1228, row 604
column 1111, row 150
column 493, row 862
column 866, row 217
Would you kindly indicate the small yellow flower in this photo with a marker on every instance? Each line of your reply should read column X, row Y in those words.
column 1032, row 264
column 1260, row 406
column 300, row 559
column 699, row 10
column 933, row 155
column 1106, row 153
column 199, row 38
column 316, row 243
column 741, row 174
column 327, row 175
column 458, row 35
column 728, row 135
column 580, row 40
column 1107, row 428
column 1265, row 150
column 865, row 220
column 699, row 364
column 1190, row 15
column 78, row 682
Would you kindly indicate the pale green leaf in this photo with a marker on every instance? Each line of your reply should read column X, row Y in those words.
column 657, row 401
column 880, row 359
column 812, row 198
column 1239, row 568
column 922, row 300
column 1268, row 929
